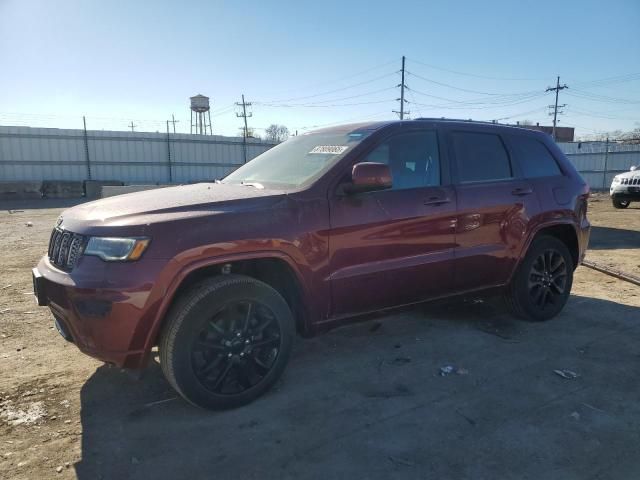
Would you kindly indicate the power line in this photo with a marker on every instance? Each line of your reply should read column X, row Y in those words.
column 600, row 98
column 313, row 105
column 347, row 120
column 320, row 102
column 604, row 114
column 609, row 80
column 557, row 89
column 332, row 91
column 520, row 114
column 471, row 74
column 452, row 86
column 493, row 102
column 556, row 110
column 362, row 72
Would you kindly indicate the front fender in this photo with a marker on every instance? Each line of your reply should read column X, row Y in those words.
column 172, row 277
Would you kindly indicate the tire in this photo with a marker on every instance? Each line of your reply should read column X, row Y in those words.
column 620, row 203
column 542, row 283
column 226, row 341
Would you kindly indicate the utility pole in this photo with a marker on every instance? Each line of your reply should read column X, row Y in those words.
column 169, row 155
column 557, row 89
column 244, row 115
column 402, row 87
column 174, row 121
column 606, row 160
column 132, row 126
column 86, row 147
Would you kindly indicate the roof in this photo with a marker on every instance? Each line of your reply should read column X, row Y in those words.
column 371, row 126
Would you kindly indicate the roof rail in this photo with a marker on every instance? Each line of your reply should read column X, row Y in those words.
column 458, row 120
column 445, row 118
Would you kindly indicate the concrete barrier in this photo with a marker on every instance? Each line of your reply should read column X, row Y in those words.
column 93, row 188
column 111, row 191
column 20, row 190
column 62, row 189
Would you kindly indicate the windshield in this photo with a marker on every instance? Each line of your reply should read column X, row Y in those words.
column 297, row 162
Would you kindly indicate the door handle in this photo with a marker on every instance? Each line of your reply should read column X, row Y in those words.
column 521, row 192
column 435, row 201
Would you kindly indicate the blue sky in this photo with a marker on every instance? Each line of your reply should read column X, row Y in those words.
column 305, row 64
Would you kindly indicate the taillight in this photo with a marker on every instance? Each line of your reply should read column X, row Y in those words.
column 581, row 207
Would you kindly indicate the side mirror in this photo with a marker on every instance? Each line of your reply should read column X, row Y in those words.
column 369, row 176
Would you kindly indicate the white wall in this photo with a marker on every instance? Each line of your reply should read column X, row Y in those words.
column 55, row 154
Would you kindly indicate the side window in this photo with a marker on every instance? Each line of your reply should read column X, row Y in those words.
column 480, row 157
column 534, row 158
column 413, row 159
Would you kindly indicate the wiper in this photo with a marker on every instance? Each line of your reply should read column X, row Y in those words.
column 253, row 184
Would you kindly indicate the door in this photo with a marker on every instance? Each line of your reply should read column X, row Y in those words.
column 394, row 246
column 494, row 208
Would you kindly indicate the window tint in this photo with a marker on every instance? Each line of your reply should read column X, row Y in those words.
column 413, row 159
column 534, row 158
column 480, row 157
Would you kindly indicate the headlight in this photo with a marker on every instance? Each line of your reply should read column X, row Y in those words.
column 113, row 249
column 616, row 179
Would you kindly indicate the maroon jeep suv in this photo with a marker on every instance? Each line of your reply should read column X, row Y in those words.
column 323, row 227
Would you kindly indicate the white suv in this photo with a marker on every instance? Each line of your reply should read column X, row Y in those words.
column 625, row 188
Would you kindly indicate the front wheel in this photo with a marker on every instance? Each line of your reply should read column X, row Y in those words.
column 620, row 203
column 542, row 284
column 226, row 341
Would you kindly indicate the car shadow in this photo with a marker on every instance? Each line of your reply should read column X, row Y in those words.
column 606, row 238
column 141, row 429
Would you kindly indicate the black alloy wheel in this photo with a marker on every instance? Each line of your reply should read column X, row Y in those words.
column 542, row 282
column 547, row 279
column 226, row 341
column 236, row 348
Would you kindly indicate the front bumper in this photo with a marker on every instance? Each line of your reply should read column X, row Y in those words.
column 624, row 192
column 105, row 309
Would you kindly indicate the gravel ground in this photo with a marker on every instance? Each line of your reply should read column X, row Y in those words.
column 364, row 401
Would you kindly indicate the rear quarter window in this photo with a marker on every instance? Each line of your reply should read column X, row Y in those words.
column 534, row 158
column 480, row 157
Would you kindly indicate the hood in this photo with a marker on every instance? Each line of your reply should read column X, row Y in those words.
column 165, row 204
column 629, row 174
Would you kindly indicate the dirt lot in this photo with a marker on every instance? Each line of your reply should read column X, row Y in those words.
column 365, row 401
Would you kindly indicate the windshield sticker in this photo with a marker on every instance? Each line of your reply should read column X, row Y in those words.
column 330, row 149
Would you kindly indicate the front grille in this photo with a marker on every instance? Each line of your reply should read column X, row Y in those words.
column 65, row 248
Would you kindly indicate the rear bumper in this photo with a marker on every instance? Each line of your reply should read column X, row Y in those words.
column 584, row 232
column 105, row 309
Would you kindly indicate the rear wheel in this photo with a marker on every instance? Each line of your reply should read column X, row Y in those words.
column 226, row 341
column 542, row 284
column 620, row 203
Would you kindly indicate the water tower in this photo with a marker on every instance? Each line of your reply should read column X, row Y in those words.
column 200, row 107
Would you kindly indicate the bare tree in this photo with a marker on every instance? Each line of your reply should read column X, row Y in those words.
column 277, row 133
column 251, row 132
column 629, row 137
